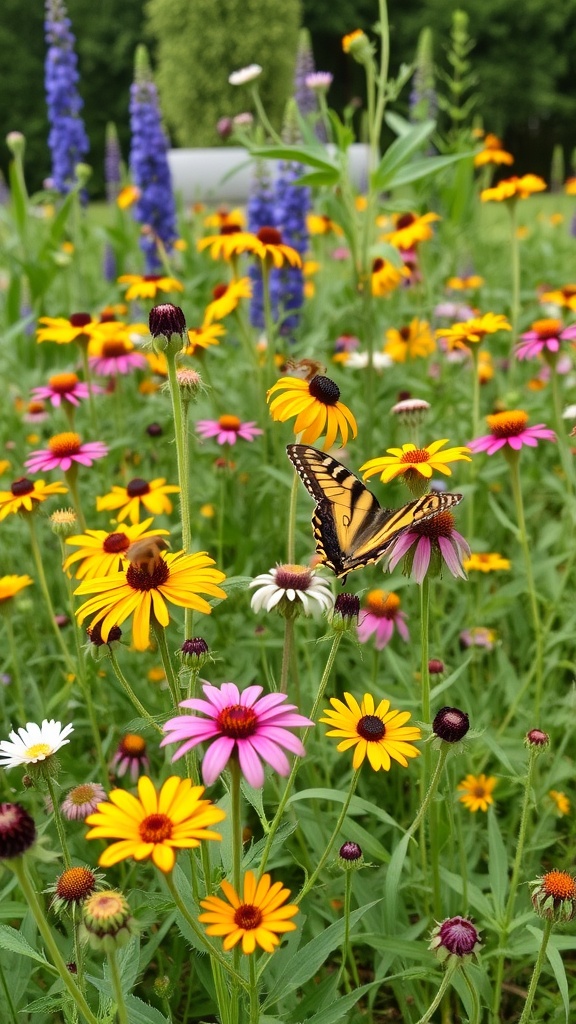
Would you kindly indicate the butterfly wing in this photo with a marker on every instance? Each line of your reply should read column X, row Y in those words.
column 350, row 526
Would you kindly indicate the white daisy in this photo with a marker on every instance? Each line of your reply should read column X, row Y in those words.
column 33, row 743
column 244, row 75
column 360, row 360
column 293, row 583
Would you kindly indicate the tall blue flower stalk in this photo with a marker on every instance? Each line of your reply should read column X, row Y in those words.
column 261, row 210
column 155, row 209
column 67, row 138
column 292, row 206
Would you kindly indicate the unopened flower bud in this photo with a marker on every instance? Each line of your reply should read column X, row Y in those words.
column 168, row 327
column 17, row 831
column 435, row 667
column 350, row 856
column 554, row 896
column 455, row 937
column 64, row 522
column 107, row 922
column 346, row 611
column 450, row 724
column 194, row 653
column 16, row 143
column 537, row 738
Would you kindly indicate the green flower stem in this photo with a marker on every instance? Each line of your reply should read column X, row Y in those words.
column 220, row 959
column 138, row 706
column 291, row 556
column 33, row 902
column 311, row 881
column 181, row 439
column 71, row 476
column 160, row 635
column 384, row 30
column 432, row 787
column 509, row 909
column 6, row 989
column 475, row 1016
column 263, row 117
column 296, row 765
column 526, row 1012
column 563, row 443
column 513, row 459
column 15, row 665
column 236, row 811
column 287, row 653
column 58, row 818
column 254, row 1001
column 121, row 1009
column 515, row 269
column 94, row 426
column 70, row 666
column 474, row 433
column 425, row 683
column 347, row 952
column 268, row 321
column 452, row 966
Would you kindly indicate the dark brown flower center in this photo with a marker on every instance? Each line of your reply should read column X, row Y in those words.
column 115, row 347
column 377, row 264
column 114, row 543
column 405, row 221
column 61, row 383
column 219, row 291
column 156, row 828
column 371, row 728
column 141, row 579
column 324, row 390
column 237, row 721
column 80, row 319
column 229, row 229
column 21, row 487
column 65, row 444
column 248, row 917
column 152, row 277
column 269, row 235
column 75, row 884
column 137, row 487
column 441, row 525
column 404, row 333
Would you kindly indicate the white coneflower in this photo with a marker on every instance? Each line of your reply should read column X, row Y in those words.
column 33, row 743
column 287, row 587
column 244, row 75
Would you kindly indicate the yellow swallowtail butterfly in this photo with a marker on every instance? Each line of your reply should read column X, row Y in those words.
column 351, row 528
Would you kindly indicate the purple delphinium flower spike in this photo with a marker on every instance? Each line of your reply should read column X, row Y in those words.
column 261, row 212
column 155, row 208
column 292, row 205
column 67, row 138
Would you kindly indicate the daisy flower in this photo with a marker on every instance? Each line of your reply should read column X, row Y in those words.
column 127, row 196
column 488, row 562
column 148, row 286
column 223, row 218
column 227, row 429
column 152, row 495
column 321, row 224
column 203, row 337
column 176, row 578
column 412, row 460
column 493, row 153
column 25, row 495
column 409, row 229
column 245, row 75
column 381, row 613
column 317, row 407
column 376, row 732
column 155, row 823
column 511, row 428
column 561, row 802
column 433, row 541
column 231, row 242
column 130, row 756
column 413, row 341
column 36, row 412
column 514, row 188
column 65, row 387
column 80, row 327
column 226, row 298
column 459, row 284
column 272, row 250
column 477, row 792
column 258, row 918
column 33, row 743
column 385, row 277
column 101, row 552
column 473, row 331
column 12, row 585
column 82, row 801
column 110, row 357
column 564, row 296
column 544, row 337
column 63, row 451
column 241, row 724
column 287, row 586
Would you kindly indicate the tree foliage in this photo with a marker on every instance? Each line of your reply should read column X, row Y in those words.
column 198, row 45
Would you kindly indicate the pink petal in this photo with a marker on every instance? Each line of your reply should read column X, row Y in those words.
column 216, row 758
column 450, row 557
column 250, row 765
column 271, row 753
column 384, row 632
column 421, row 559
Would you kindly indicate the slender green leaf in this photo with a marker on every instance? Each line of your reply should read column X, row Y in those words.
column 424, row 168
column 318, row 178
column 393, row 874
column 46, row 1004
column 142, row 1013
column 557, row 965
column 400, row 152
column 311, row 155
column 13, row 940
column 497, row 862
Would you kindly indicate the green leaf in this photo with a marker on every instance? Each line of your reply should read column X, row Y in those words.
column 314, row 156
column 317, row 178
column 399, row 153
column 19, row 196
column 339, row 1010
column 14, row 941
column 140, row 1012
column 497, row 862
column 557, row 965
column 357, row 804
column 424, row 168
column 46, row 1004
column 393, row 874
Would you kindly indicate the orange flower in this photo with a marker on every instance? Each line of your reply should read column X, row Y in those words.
column 514, row 188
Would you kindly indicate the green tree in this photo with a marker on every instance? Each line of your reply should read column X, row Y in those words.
column 198, row 44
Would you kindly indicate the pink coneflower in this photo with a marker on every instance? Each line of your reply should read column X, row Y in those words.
column 511, row 428
column 130, row 756
column 36, row 412
column 544, row 337
column 243, row 724
column 112, row 356
column 478, row 636
column 434, row 541
column 83, row 800
column 65, row 387
column 63, row 450
column 346, row 343
column 227, row 429
column 379, row 617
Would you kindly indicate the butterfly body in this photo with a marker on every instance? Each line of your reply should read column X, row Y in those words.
column 350, row 526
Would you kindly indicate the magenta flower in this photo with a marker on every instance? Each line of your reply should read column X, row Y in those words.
column 227, row 429
column 130, row 756
column 83, row 800
column 545, row 336
column 433, row 542
column 65, row 387
column 511, row 428
column 63, row 450
column 379, row 617
column 251, row 727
